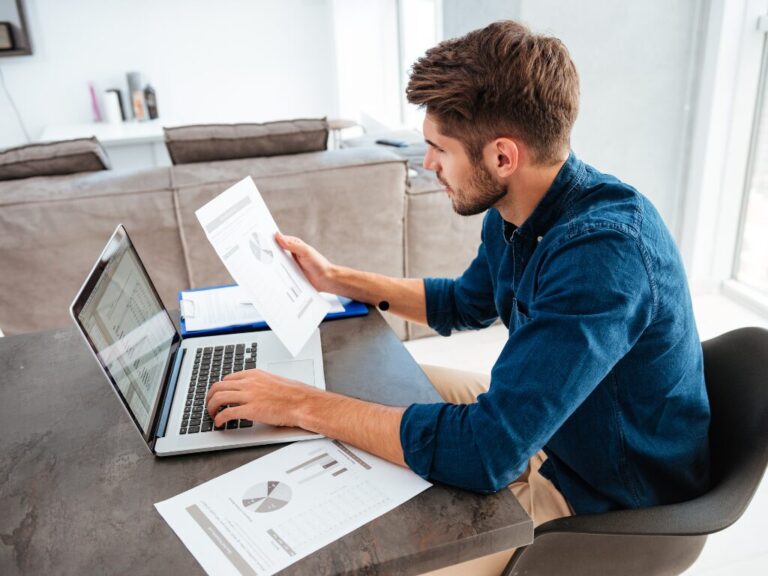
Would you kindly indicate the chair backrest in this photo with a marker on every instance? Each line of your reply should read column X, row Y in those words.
column 736, row 372
column 668, row 539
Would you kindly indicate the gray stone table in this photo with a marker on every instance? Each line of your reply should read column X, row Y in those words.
column 78, row 484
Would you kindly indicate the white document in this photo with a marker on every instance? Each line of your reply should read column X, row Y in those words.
column 242, row 231
column 267, row 514
column 229, row 306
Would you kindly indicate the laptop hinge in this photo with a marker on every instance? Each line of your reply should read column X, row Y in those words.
column 165, row 411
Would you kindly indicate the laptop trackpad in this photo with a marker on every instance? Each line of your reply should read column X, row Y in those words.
column 301, row 370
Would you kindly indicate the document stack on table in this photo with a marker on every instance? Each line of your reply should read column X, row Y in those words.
column 224, row 309
column 266, row 515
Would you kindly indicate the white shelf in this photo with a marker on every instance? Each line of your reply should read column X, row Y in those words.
column 125, row 133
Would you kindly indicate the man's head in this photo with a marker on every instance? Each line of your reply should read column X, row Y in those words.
column 495, row 87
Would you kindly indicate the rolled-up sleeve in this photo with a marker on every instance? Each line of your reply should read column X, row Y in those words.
column 595, row 298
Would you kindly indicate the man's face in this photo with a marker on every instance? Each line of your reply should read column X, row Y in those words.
column 470, row 186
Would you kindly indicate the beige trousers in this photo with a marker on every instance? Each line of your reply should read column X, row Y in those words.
column 537, row 495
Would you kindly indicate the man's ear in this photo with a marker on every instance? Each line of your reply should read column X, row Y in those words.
column 505, row 156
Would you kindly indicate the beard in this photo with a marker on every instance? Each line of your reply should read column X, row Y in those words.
column 482, row 192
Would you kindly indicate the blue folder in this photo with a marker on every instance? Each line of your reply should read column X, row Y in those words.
column 351, row 308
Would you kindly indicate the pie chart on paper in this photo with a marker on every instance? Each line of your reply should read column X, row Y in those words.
column 267, row 496
column 262, row 254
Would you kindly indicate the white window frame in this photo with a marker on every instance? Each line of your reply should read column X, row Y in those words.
column 716, row 192
column 403, row 64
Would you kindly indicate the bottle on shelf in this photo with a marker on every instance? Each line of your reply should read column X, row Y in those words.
column 136, row 96
column 150, row 99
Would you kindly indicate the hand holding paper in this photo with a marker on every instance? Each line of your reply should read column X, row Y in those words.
column 242, row 231
column 315, row 266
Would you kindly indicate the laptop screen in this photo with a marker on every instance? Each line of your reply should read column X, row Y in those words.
column 128, row 328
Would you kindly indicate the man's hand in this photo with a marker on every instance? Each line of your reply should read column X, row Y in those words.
column 318, row 270
column 257, row 395
column 264, row 397
column 405, row 296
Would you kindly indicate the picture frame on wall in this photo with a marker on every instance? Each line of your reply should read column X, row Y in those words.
column 15, row 37
column 6, row 36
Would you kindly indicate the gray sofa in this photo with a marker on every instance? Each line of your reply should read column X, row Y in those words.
column 358, row 206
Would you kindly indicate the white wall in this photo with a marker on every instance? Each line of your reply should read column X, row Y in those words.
column 209, row 60
column 639, row 63
column 460, row 17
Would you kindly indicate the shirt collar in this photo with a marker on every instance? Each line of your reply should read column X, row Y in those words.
column 554, row 203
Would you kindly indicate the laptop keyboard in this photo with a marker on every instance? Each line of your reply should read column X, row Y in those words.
column 212, row 363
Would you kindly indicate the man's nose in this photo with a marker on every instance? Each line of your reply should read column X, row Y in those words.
column 430, row 162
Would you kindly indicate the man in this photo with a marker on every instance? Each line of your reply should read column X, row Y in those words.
column 597, row 401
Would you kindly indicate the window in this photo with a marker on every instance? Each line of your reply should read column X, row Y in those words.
column 419, row 30
column 752, row 249
column 376, row 43
column 725, row 221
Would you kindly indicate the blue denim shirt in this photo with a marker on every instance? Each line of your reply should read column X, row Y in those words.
column 603, row 365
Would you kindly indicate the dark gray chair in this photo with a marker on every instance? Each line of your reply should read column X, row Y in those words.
column 668, row 539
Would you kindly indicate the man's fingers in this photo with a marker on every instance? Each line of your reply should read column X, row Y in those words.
column 231, row 413
column 242, row 374
column 226, row 384
column 222, row 398
column 236, row 381
column 281, row 240
column 284, row 241
column 290, row 243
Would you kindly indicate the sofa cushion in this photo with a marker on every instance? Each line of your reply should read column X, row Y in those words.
column 211, row 142
column 53, row 158
column 48, row 247
column 439, row 242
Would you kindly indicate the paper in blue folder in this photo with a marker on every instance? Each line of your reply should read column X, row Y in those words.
column 226, row 309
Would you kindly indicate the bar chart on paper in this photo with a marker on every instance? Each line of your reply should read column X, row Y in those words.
column 333, row 508
column 322, row 464
column 278, row 509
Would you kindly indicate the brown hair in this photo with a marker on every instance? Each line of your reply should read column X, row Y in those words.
column 501, row 80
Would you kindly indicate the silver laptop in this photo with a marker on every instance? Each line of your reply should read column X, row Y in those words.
column 162, row 380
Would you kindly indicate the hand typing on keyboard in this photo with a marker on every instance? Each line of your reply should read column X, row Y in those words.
column 257, row 395
column 211, row 364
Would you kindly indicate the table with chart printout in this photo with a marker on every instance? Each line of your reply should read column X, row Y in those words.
column 79, row 485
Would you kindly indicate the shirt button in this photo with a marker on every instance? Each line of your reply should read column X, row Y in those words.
column 539, row 238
